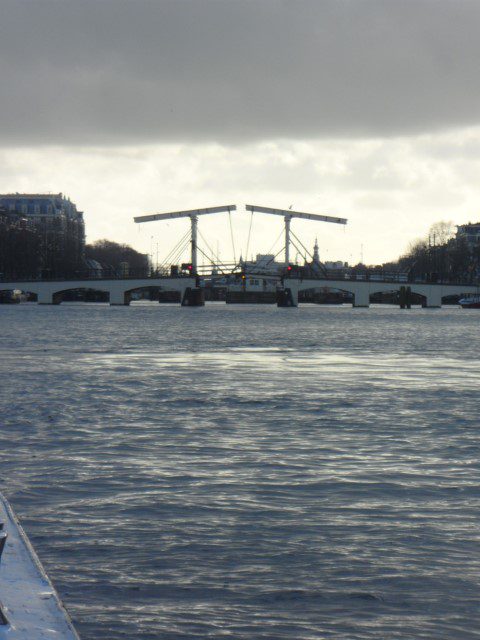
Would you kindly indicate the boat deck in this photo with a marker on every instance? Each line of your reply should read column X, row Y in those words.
column 30, row 606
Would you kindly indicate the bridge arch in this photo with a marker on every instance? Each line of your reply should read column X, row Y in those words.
column 153, row 292
column 324, row 294
column 9, row 294
column 59, row 295
column 357, row 294
column 31, row 293
column 400, row 294
column 432, row 294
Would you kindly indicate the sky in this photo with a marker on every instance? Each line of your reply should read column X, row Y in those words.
column 364, row 109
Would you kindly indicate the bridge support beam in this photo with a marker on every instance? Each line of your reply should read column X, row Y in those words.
column 434, row 298
column 362, row 297
column 193, row 297
column 119, row 299
column 287, row 297
column 45, row 297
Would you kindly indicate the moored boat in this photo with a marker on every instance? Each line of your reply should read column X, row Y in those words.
column 30, row 608
column 471, row 302
column 10, row 297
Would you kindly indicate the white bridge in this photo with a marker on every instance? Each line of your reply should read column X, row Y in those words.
column 119, row 290
column 363, row 289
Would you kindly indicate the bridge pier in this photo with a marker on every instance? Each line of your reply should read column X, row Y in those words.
column 287, row 297
column 362, row 297
column 193, row 297
column 119, row 299
column 434, row 299
column 45, row 297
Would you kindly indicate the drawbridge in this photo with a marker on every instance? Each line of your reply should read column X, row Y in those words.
column 194, row 296
column 188, row 279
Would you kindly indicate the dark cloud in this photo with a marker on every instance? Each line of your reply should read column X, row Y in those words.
column 131, row 71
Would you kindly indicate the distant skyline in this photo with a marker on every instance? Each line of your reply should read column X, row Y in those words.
column 363, row 109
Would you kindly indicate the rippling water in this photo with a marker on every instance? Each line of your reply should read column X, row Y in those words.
column 248, row 472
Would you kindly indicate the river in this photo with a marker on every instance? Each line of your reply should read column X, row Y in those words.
column 248, row 472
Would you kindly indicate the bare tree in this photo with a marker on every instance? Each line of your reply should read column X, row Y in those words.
column 111, row 255
column 441, row 232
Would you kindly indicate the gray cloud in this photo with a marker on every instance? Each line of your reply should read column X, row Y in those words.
column 131, row 71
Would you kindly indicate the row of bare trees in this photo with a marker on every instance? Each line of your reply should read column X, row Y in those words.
column 27, row 252
column 442, row 256
column 112, row 256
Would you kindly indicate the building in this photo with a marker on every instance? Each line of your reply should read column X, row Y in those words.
column 20, row 243
column 318, row 268
column 469, row 232
column 264, row 263
column 60, row 226
column 335, row 265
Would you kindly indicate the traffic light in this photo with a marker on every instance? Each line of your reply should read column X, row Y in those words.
column 289, row 268
column 187, row 266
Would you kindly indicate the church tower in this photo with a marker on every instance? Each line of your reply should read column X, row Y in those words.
column 316, row 257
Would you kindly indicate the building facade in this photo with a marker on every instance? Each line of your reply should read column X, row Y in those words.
column 58, row 223
column 469, row 232
column 20, row 255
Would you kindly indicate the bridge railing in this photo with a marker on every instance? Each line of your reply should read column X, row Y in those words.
column 93, row 276
column 230, row 270
column 383, row 276
column 402, row 278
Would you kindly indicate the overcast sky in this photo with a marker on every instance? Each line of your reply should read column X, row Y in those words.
column 364, row 109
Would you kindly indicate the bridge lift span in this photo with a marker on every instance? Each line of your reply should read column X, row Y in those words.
column 193, row 215
column 285, row 297
column 287, row 216
column 193, row 297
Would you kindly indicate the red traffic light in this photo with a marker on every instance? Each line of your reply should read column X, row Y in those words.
column 289, row 268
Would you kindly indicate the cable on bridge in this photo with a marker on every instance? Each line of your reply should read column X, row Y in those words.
column 174, row 255
column 231, row 234
column 214, row 262
column 249, row 232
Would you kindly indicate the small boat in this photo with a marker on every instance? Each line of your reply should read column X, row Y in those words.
column 30, row 608
column 472, row 302
column 10, row 297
